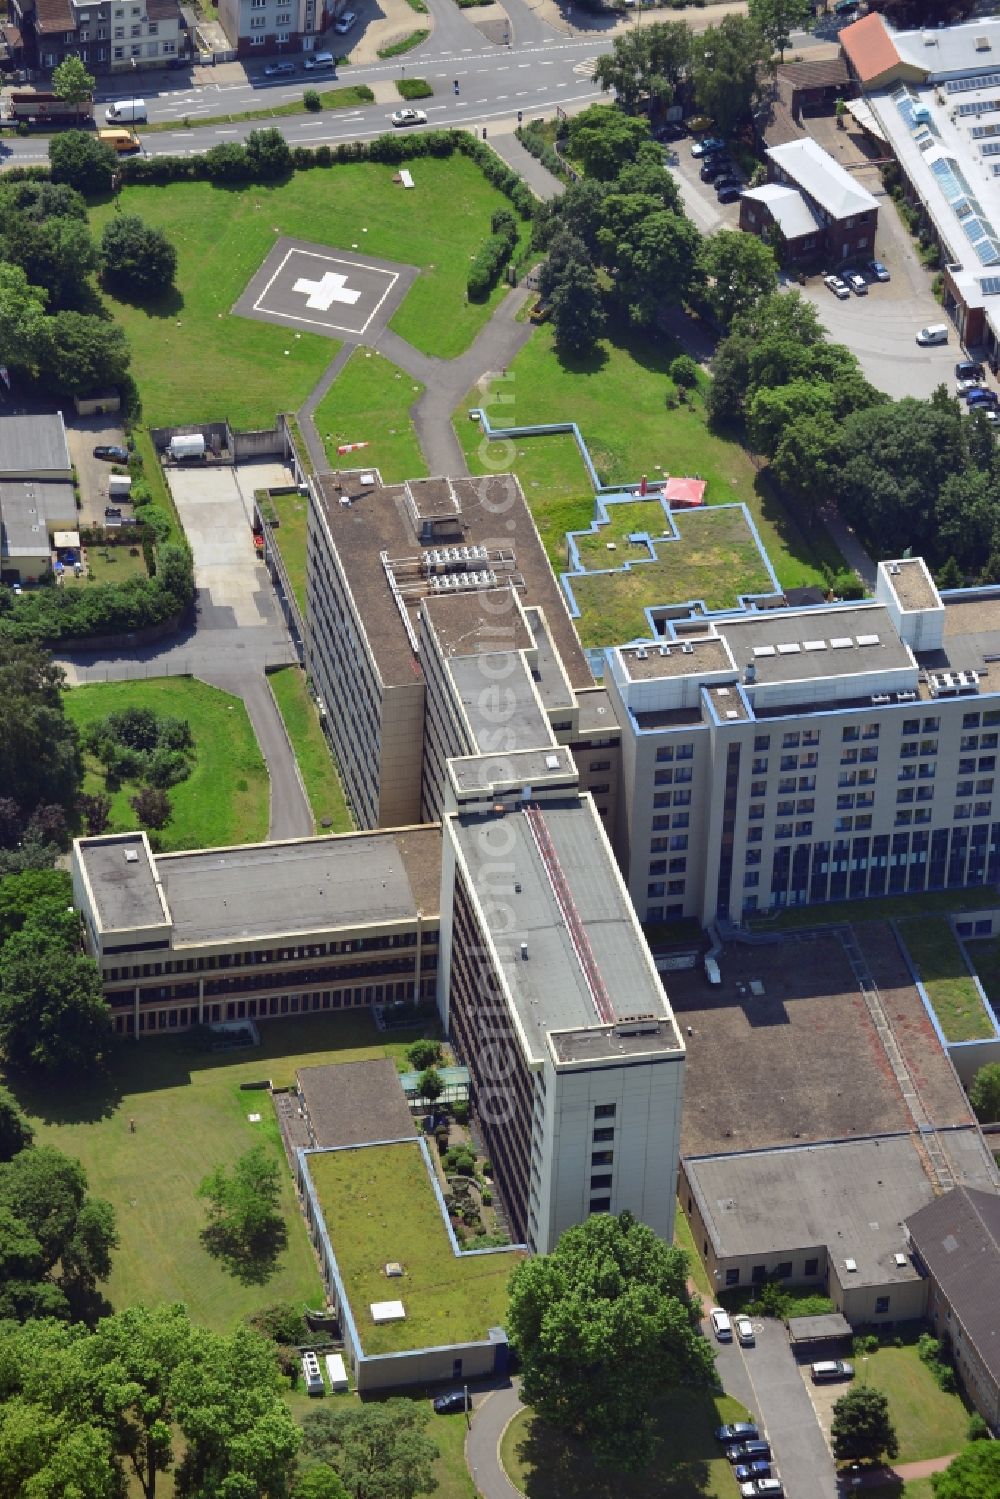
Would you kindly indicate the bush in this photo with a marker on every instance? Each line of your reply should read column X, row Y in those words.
column 847, row 585
column 532, row 138
column 487, row 1197
column 977, row 1429
column 82, row 161
column 773, row 1300
column 312, row 100
column 493, row 256
column 460, row 1160
column 135, row 258
column 268, row 155
column 683, row 372
column 460, row 1111
column 423, row 1054
column 413, row 88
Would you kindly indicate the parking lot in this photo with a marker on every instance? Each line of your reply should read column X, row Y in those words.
column 83, row 434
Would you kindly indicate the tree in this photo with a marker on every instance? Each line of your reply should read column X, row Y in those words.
column 82, row 161
column 96, row 813
column 430, row 1084
column 984, row 1093
column 86, row 353
column 23, row 325
column 604, row 140
column 731, row 56
column 423, row 1053
column 57, row 252
column 16, row 1133
column 71, row 81
column 53, row 1015
column 862, row 1428
column 379, row 1451
column 63, row 1236
column 805, row 461
column 973, row 1474
column 649, row 61
column 601, row 1326
column 580, row 211
column 320, row 1482
column 245, row 1226
column 577, row 309
column 967, row 513
column 772, row 408
column 21, row 894
column 268, row 154
column 683, row 372
column 151, row 806
column 949, row 575
column 777, row 19
column 739, row 270
column 42, row 200
column 136, row 258
column 657, row 265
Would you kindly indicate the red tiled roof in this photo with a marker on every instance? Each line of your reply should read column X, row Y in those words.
column 54, row 15
column 869, row 47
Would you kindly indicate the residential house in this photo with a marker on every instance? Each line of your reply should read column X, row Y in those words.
column 106, row 35
column 844, row 214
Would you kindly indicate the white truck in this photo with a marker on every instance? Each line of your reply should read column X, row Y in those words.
column 126, row 112
column 186, row 445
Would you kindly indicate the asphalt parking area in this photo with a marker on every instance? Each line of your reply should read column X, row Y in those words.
column 233, row 586
column 313, row 288
column 83, row 434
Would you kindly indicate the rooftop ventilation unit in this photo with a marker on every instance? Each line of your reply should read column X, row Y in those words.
column 637, row 1025
column 789, row 648
column 687, row 648
column 900, row 1260
column 867, row 639
column 851, row 1266
column 640, row 654
column 763, row 650
column 879, row 699
column 983, row 44
column 552, row 762
column 731, row 713
column 906, row 697
column 131, row 856
column 664, row 650
column 894, row 569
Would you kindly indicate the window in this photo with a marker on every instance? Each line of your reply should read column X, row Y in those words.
column 756, row 811
column 789, row 741
column 912, row 725
column 596, row 1182
column 152, row 28
column 903, row 798
column 784, row 1270
column 665, row 752
column 786, row 786
column 881, row 1305
column 682, row 798
column 759, row 767
column 850, row 734
column 968, row 742
column 679, row 842
column 656, row 890
column 803, row 829
column 963, row 811
column 681, row 820
column 675, row 887
column 811, row 1267
column 119, row 52
column 601, row 1136
column 970, row 721
column 683, row 773
column 605, row 1110
column 119, row 37
column 758, row 1274
column 963, row 788
column 753, row 856
column 932, row 725
column 658, row 866
column 759, row 788
column 600, row 1204
column 733, row 1277
column 602, row 1158
column 789, row 762
column 783, row 830
column 785, row 809
column 762, row 742
column 685, row 752
column 663, row 778
column 678, row 866
column 987, row 762
column 751, row 879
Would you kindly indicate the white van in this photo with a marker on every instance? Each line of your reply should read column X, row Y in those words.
column 324, row 62
column 128, row 111
column 313, row 1375
column 937, row 333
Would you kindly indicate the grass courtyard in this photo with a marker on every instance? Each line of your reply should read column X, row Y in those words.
column 292, row 534
column 617, row 397
column 370, row 402
column 715, row 559
column 319, row 773
column 188, row 369
column 225, row 799
column 190, row 1116
column 879, row 908
column 108, row 564
column 688, row 1462
column 943, row 973
column 379, row 1205
column 928, row 1422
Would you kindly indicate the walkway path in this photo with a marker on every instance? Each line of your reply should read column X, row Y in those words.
column 905, row 1472
column 482, row 1445
column 541, row 181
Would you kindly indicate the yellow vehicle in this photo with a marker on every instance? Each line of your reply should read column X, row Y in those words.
column 121, row 140
column 541, row 312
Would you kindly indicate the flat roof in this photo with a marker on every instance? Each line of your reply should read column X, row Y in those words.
column 555, row 685
column 596, row 713
column 852, row 1196
column 913, row 584
column 121, row 872
column 33, row 444
column 499, row 698
column 369, row 519
column 468, row 624
column 950, row 51
column 495, row 773
column 28, row 507
column 549, row 987
column 379, row 1205
column 832, row 641
column 351, row 1103
column 670, row 659
column 822, row 177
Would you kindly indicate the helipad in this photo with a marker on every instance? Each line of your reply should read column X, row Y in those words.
column 334, row 292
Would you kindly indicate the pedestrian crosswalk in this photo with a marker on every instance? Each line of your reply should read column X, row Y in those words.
column 585, row 69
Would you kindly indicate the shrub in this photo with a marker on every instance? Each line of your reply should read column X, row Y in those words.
column 532, row 138
column 413, row 88
column 977, row 1429
column 773, row 1300
column 423, row 1053
column 487, row 1197
column 683, row 372
column 460, row 1160
column 493, row 256
column 151, row 806
column 460, row 1111
column 136, row 258
column 312, row 100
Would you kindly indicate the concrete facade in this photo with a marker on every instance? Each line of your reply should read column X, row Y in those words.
column 265, row 27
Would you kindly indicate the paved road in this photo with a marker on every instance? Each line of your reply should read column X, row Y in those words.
column 482, row 1445
column 768, row 1380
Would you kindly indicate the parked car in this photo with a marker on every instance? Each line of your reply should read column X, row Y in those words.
column 744, row 1472
column 113, row 511
column 730, row 192
column 673, row 131
column 111, row 453
column 721, row 1325
column 971, row 382
column 833, row 1368
column 409, row 117
column 343, row 24
column 857, row 283
column 707, row 145
column 744, row 1331
column 762, row 1488
column 737, row 1431
column 878, row 271
column 454, row 1400
column 934, row 333
column 716, row 166
column 839, row 288
column 727, row 180
column 279, row 69
column 755, row 1451
column 978, row 398
column 321, row 61
column 969, row 369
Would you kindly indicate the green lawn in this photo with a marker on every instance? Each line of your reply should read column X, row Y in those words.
column 985, row 955
column 370, row 401
column 189, row 369
column 226, row 798
column 617, row 398
column 319, row 773
column 928, row 1422
column 684, row 1239
column 950, row 988
column 688, row 1462
column 190, row 1116
column 715, row 559
column 350, row 97
column 446, row 1432
column 291, row 536
column 108, row 564
column 880, row 908
column 379, row 1205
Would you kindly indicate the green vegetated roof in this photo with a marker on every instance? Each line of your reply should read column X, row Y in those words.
column 379, row 1206
column 715, row 557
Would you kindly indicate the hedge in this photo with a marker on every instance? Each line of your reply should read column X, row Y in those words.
column 532, row 138
column 493, row 256
column 52, row 614
column 215, row 165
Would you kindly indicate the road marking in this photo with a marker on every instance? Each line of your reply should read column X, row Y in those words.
column 586, row 68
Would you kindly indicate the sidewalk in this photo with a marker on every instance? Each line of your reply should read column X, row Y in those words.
column 541, row 181
column 904, row 1472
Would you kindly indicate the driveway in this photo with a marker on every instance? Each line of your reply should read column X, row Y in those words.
column 767, row 1379
column 83, row 434
column 227, row 573
column 698, row 198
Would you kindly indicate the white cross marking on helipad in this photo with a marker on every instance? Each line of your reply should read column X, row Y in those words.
column 323, row 293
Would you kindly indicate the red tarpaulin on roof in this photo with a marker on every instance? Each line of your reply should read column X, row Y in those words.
column 685, row 491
